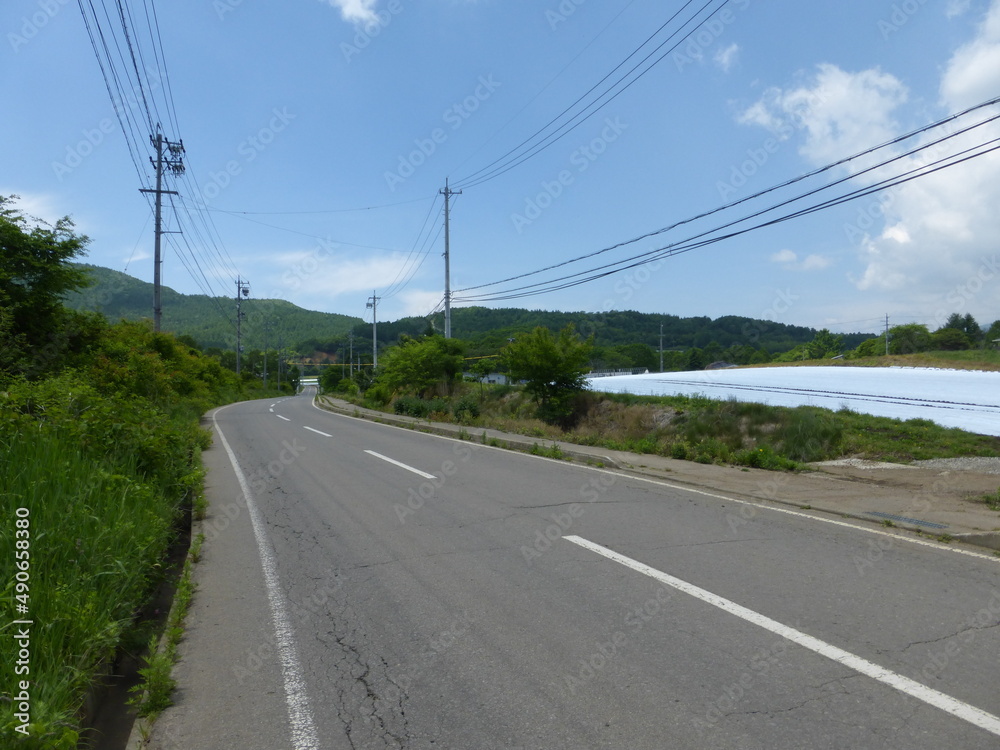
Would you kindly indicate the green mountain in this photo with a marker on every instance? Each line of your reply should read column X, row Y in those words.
column 211, row 321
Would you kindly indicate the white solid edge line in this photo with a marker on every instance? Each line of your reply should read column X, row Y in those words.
column 400, row 464
column 281, row 417
column 300, row 717
column 762, row 504
column 318, row 432
column 932, row 697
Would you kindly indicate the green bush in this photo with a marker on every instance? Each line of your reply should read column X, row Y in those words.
column 762, row 458
column 466, row 409
column 348, row 387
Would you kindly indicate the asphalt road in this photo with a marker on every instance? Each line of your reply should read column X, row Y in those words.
column 384, row 588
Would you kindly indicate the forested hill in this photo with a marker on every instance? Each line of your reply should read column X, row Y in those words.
column 490, row 328
column 210, row 321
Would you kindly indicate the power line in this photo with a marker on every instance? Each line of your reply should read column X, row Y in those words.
column 515, row 159
column 323, row 211
column 841, row 162
column 703, row 239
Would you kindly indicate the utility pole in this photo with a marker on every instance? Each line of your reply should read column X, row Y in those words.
column 447, row 193
column 267, row 327
column 661, row 347
column 176, row 166
column 280, row 342
column 887, row 335
column 373, row 305
column 350, row 357
column 242, row 290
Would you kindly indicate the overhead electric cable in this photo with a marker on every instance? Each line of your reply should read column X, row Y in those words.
column 596, row 105
column 695, row 242
column 828, row 167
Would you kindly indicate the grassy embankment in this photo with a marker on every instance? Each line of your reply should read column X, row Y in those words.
column 104, row 459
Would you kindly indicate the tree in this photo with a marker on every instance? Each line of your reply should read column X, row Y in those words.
column 993, row 334
column 35, row 273
column 909, row 339
column 950, row 339
column 967, row 324
column 417, row 365
column 695, row 360
column 330, row 378
column 825, row 344
column 554, row 368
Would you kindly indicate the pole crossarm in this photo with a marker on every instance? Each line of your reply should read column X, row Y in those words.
column 173, row 162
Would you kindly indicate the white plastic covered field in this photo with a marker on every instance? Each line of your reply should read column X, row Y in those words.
column 967, row 399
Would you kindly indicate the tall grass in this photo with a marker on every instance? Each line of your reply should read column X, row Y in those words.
column 103, row 478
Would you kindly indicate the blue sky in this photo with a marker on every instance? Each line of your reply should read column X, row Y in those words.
column 296, row 115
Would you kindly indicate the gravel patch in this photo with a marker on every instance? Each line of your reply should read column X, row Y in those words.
column 981, row 464
column 863, row 463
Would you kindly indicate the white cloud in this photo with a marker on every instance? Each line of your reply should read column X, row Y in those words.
column 973, row 73
column 35, row 205
column 419, row 302
column 357, row 11
column 957, row 8
column 841, row 112
column 790, row 261
column 815, row 262
column 938, row 244
column 726, row 58
column 322, row 274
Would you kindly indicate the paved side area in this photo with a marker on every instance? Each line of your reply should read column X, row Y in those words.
column 937, row 500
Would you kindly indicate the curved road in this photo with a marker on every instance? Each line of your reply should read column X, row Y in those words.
column 364, row 586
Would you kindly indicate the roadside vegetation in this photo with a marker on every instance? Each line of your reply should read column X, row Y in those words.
column 551, row 404
column 100, row 450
